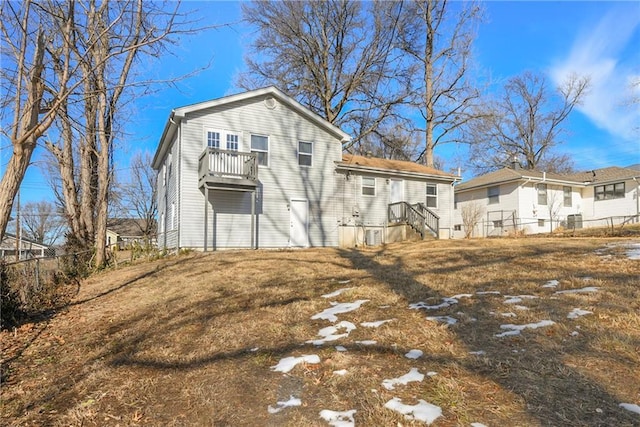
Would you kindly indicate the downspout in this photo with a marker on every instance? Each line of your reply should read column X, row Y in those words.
column 178, row 186
column 635, row 178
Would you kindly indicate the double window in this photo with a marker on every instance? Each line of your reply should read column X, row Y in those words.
column 214, row 139
column 305, row 153
column 368, row 186
column 609, row 191
column 432, row 196
column 260, row 146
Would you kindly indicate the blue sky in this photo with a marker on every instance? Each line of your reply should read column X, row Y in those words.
column 601, row 39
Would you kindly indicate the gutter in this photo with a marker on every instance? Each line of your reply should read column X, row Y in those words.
column 169, row 128
column 395, row 172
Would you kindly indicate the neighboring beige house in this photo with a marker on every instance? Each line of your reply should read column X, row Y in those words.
column 27, row 248
column 258, row 169
column 530, row 201
column 125, row 231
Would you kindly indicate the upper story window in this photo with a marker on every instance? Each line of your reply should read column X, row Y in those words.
column 609, row 191
column 260, row 145
column 368, row 186
column 493, row 194
column 566, row 191
column 305, row 153
column 542, row 194
column 213, row 139
column 432, row 196
column 232, row 141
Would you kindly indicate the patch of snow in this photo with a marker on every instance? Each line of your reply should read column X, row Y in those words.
column 551, row 284
column 367, row 342
column 412, row 376
column 577, row 312
column 288, row 363
column 254, row 349
column 514, row 299
column 575, row 333
column 414, row 354
column 509, row 314
column 422, row 411
column 293, row 401
column 633, row 251
column 432, row 374
column 338, row 308
column 330, row 333
column 446, row 302
column 341, row 372
column 443, row 319
column 384, row 306
column 488, row 293
column 341, row 348
column 579, row 291
column 338, row 419
column 478, row 353
column 631, row 407
column 478, row 425
column 336, row 293
column 344, row 282
column 459, row 296
column 376, row 324
column 516, row 329
column 587, row 278
column 521, row 307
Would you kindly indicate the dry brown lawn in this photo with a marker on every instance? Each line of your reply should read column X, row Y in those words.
column 191, row 340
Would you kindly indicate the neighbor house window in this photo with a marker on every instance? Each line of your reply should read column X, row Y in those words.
column 497, row 223
column 610, row 191
column 368, row 186
column 232, row 142
column 457, row 227
column 542, row 194
column 305, row 153
column 260, row 146
column 213, row 139
column 493, row 194
column 567, row 196
column 541, row 223
column 432, row 196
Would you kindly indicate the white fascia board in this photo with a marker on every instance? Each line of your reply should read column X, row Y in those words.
column 163, row 145
column 396, row 173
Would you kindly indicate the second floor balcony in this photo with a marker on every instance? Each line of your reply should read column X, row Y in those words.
column 227, row 169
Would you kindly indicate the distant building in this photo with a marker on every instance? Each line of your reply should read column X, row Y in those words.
column 28, row 248
column 125, row 231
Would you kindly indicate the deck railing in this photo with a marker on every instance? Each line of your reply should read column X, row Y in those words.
column 417, row 216
column 228, row 164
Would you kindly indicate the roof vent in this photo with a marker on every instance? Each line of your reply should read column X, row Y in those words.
column 368, row 154
column 270, row 103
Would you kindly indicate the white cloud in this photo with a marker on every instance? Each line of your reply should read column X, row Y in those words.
column 599, row 52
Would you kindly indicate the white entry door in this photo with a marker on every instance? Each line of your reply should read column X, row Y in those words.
column 396, row 191
column 299, row 223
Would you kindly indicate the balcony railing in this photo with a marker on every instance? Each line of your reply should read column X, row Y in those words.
column 225, row 166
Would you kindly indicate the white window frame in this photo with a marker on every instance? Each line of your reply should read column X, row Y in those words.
column 493, row 195
column 431, row 196
column 609, row 191
column 567, row 193
column 542, row 193
column 310, row 155
column 368, row 186
column 207, row 139
column 223, row 141
column 257, row 150
column 231, row 144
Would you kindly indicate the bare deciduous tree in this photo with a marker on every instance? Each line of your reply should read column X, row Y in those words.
column 525, row 124
column 42, row 222
column 139, row 193
column 471, row 215
column 437, row 37
column 336, row 57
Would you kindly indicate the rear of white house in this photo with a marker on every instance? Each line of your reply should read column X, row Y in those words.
column 516, row 200
column 258, row 169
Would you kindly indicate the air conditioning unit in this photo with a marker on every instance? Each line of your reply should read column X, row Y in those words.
column 373, row 237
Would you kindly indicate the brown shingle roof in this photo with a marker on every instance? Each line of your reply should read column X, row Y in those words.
column 509, row 174
column 612, row 173
column 391, row 165
column 130, row 227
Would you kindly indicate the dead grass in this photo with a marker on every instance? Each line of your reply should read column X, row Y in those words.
column 190, row 340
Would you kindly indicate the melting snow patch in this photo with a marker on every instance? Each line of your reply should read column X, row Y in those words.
column 336, row 293
column 330, row 333
column 288, row 363
column 516, row 329
column 367, row 342
column 446, row 302
column 514, row 299
column 551, row 284
column 633, row 251
column 340, row 372
column 579, row 291
column 345, row 307
column 577, row 312
column 478, row 425
column 520, row 307
column 411, row 376
column 414, row 354
column 293, row 401
column 422, row 411
column 459, row 296
column 375, row 324
column 341, row 348
column 338, row 419
column 443, row 319
column 344, row 282
column 509, row 314
column 488, row 293
column 478, row 353
column 575, row 333
column 631, row 407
